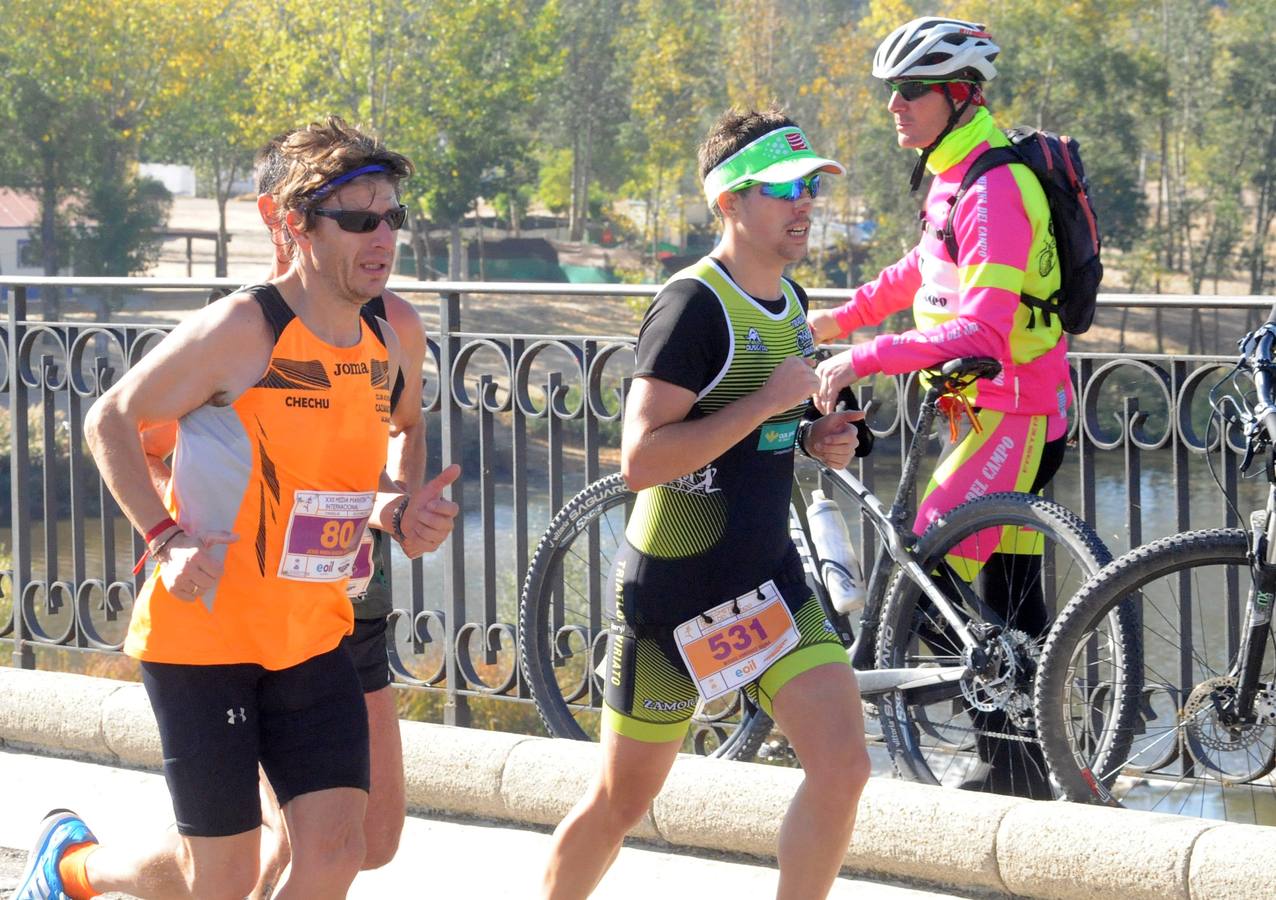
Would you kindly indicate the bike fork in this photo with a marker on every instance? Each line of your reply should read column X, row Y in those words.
column 1258, row 611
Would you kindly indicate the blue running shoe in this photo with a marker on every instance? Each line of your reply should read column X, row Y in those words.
column 40, row 880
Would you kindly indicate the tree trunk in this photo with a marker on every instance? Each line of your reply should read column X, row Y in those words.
column 573, row 203
column 581, row 193
column 221, row 261
column 420, row 248
column 1263, row 211
column 50, row 300
column 478, row 222
column 655, row 226
column 454, row 251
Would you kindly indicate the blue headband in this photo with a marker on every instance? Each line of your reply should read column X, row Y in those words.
column 329, row 186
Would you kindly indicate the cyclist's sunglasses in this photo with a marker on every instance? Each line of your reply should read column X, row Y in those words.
column 787, row 190
column 361, row 221
column 914, row 88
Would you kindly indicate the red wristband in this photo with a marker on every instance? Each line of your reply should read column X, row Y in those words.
column 159, row 529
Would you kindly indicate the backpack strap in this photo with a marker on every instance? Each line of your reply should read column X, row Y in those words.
column 986, row 161
column 989, row 159
column 1047, row 307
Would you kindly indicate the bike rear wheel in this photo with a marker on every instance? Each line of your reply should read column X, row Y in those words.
column 977, row 732
column 563, row 619
column 1150, row 730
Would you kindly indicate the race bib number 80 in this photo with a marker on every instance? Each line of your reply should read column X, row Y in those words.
column 733, row 644
column 323, row 534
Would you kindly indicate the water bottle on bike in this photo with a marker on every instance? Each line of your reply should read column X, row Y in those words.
column 839, row 566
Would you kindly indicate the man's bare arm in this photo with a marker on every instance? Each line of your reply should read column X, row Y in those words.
column 158, row 443
column 659, row 444
column 406, row 461
column 213, row 356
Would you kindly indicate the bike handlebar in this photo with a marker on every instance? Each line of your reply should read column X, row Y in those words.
column 1256, row 348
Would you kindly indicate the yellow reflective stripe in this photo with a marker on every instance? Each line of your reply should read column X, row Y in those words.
column 793, row 664
column 970, row 445
column 1034, row 443
column 1025, row 541
column 647, row 732
column 994, row 275
column 967, row 569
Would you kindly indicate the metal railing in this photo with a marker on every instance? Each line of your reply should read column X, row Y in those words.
column 532, row 417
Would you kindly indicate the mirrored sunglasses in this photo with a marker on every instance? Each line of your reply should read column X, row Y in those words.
column 361, row 221
column 914, row 88
column 787, row 190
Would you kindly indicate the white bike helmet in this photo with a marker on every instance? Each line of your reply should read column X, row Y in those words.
column 932, row 47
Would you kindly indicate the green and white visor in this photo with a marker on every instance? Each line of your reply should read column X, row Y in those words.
column 778, row 156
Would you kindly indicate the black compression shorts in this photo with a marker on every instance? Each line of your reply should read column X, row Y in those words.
column 307, row 725
column 367, row 648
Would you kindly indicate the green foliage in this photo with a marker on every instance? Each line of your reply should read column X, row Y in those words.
column 554, row 189
column 117, row 234
column 481, row 63
column 84, row 82
column 575, row 104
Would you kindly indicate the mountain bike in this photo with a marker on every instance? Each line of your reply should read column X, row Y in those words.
column 942, row 667
column 1185, row 721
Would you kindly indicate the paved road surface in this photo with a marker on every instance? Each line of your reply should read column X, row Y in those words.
column 437, row 857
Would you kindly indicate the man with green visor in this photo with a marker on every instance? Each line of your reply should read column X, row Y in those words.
column 710, row 595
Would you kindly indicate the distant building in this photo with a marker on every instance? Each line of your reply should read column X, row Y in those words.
column 180, row 180
column 19, row 216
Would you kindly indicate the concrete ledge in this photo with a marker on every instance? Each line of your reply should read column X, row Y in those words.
column 1233, row 862
column 973, row 843
column 1079, row 851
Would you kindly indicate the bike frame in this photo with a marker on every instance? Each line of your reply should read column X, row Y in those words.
column 1260, row 428
column 896, row 544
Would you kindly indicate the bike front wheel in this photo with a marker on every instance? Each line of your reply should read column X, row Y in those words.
column 563, row 618
column 976, row 730
column 1154, row 729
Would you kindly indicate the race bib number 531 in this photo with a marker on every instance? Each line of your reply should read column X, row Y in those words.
column 733, row 644
column 323, row 534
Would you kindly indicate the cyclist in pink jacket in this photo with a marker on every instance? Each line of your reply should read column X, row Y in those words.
column 973, row 305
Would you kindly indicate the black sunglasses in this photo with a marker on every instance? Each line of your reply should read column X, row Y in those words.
column 361, row 221
column 912, row 89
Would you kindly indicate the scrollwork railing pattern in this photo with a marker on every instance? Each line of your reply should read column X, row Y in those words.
column 531, row 418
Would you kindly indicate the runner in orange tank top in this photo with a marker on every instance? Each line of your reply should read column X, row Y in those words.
column 369, row 594
column 281, row 394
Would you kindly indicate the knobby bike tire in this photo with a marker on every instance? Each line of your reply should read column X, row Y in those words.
column 980, row 735
column 555, row 647
column 1141, row 728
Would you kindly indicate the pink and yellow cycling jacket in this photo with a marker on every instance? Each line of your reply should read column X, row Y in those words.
column 970, row 306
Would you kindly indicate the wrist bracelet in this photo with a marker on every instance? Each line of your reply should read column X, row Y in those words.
column 159, row 529
column 148, row 553
column 396, row 521
column 803, row 427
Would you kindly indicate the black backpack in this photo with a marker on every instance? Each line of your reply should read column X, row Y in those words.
column 1056, row 161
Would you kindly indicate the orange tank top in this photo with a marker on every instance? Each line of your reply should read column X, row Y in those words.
column 292, row 467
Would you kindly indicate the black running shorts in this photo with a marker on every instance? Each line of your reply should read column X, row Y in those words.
column 307, row 725
column 367, row 647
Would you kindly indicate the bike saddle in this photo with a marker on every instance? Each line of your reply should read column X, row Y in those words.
column 976, row 366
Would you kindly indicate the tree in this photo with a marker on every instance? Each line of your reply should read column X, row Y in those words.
column 588, row 97
column 674, row 92
column 211, row 122
column 1071, row 68
column 449, row 83
column 477, row 74
column 84, row 80
column 856, row 129
column 1246, row 34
